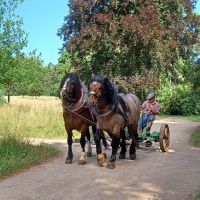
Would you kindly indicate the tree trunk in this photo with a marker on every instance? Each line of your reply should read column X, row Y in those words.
column 8, row 98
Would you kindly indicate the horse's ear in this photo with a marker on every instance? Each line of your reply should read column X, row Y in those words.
column 93, row 75
column 65, row 71
column 105, row 76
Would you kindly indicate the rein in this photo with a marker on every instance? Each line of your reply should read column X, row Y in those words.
column 80, row 116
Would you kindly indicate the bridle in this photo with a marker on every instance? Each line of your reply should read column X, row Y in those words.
column 67, row 93
column 98, row 96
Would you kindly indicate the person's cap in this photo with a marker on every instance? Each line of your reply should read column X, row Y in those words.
column 150, row 95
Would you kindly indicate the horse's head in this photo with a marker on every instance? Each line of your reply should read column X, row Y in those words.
column 70, row 87
column 95, row 92
column 101, row 89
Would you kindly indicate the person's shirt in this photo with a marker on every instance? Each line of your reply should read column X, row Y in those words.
column 151, row 107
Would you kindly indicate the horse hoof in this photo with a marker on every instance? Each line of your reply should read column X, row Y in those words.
column 100, row 159
column 110, row 165
column 132, row 156
column 122, row 156
column 82, row 162
column 67, row 161
column 89, row 154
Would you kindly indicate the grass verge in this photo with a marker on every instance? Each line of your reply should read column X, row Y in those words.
column 17, row 154
column 192, row 117
column 195, row 138
column 189, row 117
column 197, row 196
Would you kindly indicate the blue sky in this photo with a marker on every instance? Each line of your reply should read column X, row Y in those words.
column 42, row 18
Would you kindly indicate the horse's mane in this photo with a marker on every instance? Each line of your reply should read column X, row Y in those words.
column 70, row 76
column 109, row 91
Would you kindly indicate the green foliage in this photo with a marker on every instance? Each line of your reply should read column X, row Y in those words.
column 55, row 73
column 32, row 75
column 17, row 154
column 12, row 40
column 179, row 100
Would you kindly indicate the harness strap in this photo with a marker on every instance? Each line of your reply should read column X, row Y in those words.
column 122, row 109
column 80, row 116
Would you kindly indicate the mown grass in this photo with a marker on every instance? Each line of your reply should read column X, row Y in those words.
column 17, row 154
column 33, row 117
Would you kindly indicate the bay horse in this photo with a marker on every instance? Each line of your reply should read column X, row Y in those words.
column 74, row 94
column 113, row 113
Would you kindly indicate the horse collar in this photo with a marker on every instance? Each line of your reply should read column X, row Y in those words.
column 102, row 114
column 82, row 101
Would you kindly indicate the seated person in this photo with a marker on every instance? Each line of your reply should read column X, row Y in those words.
column 149, row 109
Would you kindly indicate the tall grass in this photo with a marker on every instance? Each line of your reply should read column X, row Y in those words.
column 32, row 117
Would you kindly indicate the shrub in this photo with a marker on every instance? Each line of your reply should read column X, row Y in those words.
column 179, row 100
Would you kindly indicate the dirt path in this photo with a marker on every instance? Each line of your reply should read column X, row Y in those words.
column 154, row 175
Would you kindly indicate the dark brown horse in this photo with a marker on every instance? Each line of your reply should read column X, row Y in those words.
column 74, row 95
column 113, row 113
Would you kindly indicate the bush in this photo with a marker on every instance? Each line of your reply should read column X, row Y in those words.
column 179, row 100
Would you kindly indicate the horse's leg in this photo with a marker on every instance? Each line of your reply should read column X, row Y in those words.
column 83, row 157
column 115, row 146
column 69, row 142
column 105, row 144
column 123, row 145
column 97, row 139
column 134, row 136
column 89, row 148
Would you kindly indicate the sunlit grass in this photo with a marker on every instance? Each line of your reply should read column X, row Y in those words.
column 24, row 118
column 32, row 117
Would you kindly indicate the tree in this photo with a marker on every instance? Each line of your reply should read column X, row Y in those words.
column 32, row 75
column 121, row 38
column 55, row 73
column 12, row 40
